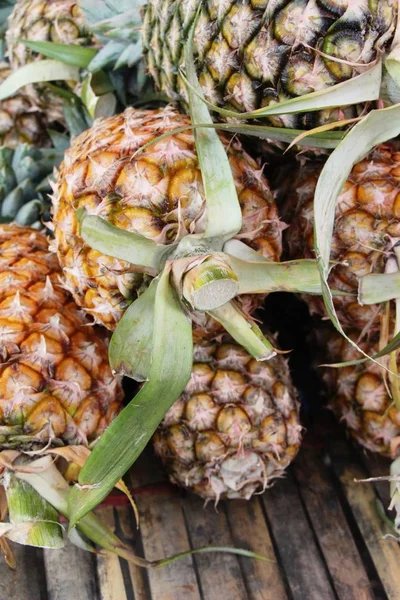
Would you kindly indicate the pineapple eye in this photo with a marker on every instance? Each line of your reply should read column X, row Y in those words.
column 346, row 43
column 64, row 31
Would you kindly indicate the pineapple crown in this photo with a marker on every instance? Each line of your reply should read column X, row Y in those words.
column 117, row 26
column 6, row 7
column 24, row 183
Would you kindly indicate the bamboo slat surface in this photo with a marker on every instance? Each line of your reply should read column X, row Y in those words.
column 319, row 528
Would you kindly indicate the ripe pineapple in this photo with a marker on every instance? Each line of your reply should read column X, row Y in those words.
column 56, row 386
column 156, row 192
column 252, row 54
column 235, row 427
column 361, row 395
column 59, row 21
column 20, row 119
column 366, row 229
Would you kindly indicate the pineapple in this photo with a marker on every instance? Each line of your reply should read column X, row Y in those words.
column 59, row 21
column 366, row 229
column 235, row 427
column 56, row 386
column 361, row 395
column 253, row 54
column 21, row 121
column 57, row 394
column 154, row 191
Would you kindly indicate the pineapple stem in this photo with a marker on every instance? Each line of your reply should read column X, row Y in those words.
column 34, row 522
column 260, row 277
column 244, row 330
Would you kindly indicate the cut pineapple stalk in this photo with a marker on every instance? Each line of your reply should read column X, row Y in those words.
column 33, row 521
column 210, row 284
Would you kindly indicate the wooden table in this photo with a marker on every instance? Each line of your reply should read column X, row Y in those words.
column 319, row 527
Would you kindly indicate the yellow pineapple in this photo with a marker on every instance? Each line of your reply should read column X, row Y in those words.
column 365, row 231
column 156, row 191
column 361, row 395
column 57, row 394
column 236, row 426
column 55, row 382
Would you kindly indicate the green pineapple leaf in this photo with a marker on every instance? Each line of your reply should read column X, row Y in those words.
column 131, row 343
column 24, row 182
column 244, row 330
column 76, row 56
column 76, row 117
column 362, row 88
column 375, row 128
column 6, row 7
column 117, row 25
column 40, row 71
column 328, row 139
column 124, row 440
column 379, row 287
column 224, row 216
column 119, row 243
column 98, row 100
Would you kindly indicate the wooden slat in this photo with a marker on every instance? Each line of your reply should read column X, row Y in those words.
column 129, row 534
column 249, row 530
column 385, row 553
column 28, row 582
column 71, row 564
column 300, row 558
column 207, row 527
column 110, row 576
column 163, row 532
column 331, row 529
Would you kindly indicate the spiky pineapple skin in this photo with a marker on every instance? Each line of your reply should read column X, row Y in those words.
column 365, row 230
column 360, row 394
column 59, row 21
column 156, row 192
column 21, row 121
column 56, row 386
column 236, row 426
column 250, row 54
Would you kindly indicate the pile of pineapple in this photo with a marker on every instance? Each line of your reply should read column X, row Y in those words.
column 135, row 241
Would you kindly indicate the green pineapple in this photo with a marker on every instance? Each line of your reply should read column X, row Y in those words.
column 253, row 54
